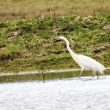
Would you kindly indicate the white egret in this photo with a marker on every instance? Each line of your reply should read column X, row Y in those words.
column 85, row 62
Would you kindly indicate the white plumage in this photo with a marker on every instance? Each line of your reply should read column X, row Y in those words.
column 90, row 64
column 84, row 62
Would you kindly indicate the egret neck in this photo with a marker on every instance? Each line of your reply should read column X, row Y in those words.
column 74, row 55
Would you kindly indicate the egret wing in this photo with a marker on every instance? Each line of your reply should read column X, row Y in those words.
column 88, row 62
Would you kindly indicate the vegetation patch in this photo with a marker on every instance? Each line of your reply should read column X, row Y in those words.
column 28, row 44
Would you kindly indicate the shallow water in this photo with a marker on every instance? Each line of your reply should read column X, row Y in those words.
column 42, row 76
column 65, row 94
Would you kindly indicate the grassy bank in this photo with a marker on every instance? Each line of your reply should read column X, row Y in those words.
column 28, row 44
column 15, row 9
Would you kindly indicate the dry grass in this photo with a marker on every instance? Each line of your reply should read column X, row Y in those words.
column 12, row 9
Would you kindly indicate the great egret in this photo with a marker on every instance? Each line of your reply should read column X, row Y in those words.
column 85, row 62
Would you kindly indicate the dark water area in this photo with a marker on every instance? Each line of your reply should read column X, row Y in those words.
column 44, row 76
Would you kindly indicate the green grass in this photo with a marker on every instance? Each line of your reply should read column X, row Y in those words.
column 28, row 44
column 15, row 9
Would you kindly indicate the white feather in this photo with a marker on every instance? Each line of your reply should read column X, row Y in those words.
column 89, row 63
column 84, row 62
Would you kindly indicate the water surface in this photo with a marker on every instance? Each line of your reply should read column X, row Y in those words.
column 43, row 76
column 65, row 94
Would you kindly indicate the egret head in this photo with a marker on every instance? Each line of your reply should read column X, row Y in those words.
column 59, row 38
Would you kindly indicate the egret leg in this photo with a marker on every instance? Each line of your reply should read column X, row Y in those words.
column 90, row 73
column 93, row 74
column 103, row 73
column 97, row 75
column 81, row 72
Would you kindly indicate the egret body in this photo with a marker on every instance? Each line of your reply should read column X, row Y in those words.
column 85, row 62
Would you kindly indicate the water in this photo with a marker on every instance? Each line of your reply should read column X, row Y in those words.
column 42, row 76
column 64, row 94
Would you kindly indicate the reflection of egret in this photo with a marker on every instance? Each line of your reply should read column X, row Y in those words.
column 84, row 62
